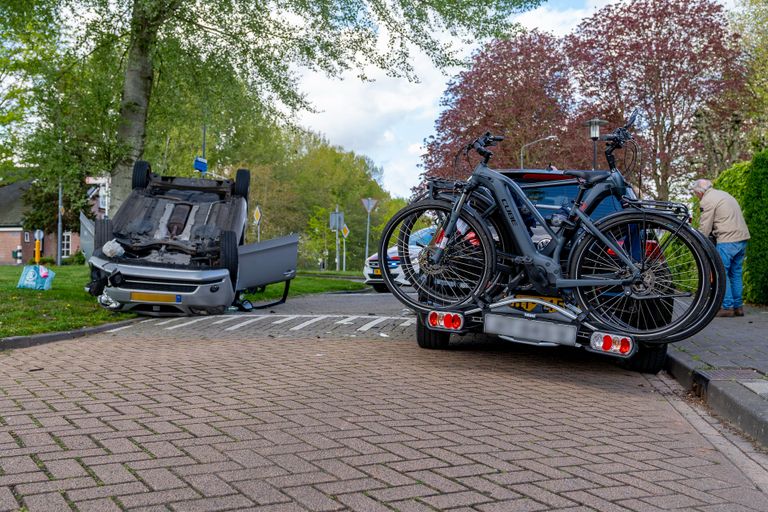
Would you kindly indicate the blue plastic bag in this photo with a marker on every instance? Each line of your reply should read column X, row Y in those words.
column 36, row 277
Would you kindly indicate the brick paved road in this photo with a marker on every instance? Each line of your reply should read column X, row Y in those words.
column 192, row 416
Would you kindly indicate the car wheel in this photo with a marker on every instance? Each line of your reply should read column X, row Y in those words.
column 429, row 339
column 141, row 172
column 242, row 183
column 102, row 233
column 380, row 287
column 229, row 255
column 648, row 359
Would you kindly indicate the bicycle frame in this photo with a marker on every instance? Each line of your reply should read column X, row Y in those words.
column 543, row 267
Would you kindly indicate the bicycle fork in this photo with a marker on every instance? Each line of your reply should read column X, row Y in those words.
column 446, row 231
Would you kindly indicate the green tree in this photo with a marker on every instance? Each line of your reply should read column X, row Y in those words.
column 751, row 19
column 27, row 42
column 263, row 40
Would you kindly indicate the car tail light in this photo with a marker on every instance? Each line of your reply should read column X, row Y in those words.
column 445, row 321
column 610, row 343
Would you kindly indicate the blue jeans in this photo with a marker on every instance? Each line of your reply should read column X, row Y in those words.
column 732, row 254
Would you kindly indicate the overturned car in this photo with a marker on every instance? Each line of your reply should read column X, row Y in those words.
column 177, row 247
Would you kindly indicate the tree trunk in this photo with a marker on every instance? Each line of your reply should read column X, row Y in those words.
column 134, row 104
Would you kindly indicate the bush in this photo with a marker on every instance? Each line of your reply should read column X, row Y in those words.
column 748, row 183
column 755, row 206
column 44, row 260
column 76, row 259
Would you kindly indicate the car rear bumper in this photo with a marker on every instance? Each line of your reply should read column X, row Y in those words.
column 158, row 291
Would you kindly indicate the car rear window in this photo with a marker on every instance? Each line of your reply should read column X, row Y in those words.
column 562, row 195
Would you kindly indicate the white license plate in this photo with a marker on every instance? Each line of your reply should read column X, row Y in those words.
column 530, row 330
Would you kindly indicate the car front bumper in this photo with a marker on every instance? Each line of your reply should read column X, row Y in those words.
column 161, row 291
column 369, row 273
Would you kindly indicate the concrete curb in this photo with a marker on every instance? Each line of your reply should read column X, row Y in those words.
column 729, row 399
column 41, row 339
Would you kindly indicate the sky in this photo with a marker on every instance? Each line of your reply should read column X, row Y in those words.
column 389, row 118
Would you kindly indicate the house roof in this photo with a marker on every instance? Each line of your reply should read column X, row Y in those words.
column 11, row 204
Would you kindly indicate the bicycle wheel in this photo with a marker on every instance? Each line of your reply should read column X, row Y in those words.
column 710, row 307
column 408, row 243
column 674, row 284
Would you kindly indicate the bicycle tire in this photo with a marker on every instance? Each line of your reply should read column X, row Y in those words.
column 632, row 314
column 715, row 299
column 433, row 285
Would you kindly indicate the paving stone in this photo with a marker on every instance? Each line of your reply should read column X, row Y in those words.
column 45, row 502
column 7, row 501
column 160, row 479
column 202, row 419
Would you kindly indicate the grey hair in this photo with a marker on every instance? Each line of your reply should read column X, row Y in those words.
column 701, row 186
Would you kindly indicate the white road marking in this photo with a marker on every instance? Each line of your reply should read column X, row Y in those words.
column 186, row 323
column 349, row 320
column 308, row 322
column 374, row 323
column 119, row 328
column 288, row 319
column 247, row 322
column 171, row 320
column 226, row 319
column 408, row 322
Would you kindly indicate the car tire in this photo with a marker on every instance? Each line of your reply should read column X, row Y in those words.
column 380, row 288
column 648, row 359
column 102, row 233
column 242, row 183
column 429, row 339
column 229, row 255
column 141, row 174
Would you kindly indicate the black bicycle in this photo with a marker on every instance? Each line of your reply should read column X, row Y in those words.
column 643, row 271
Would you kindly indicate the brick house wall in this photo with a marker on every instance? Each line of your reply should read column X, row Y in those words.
column 10, row 239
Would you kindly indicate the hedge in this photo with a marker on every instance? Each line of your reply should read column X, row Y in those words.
column 748, row 183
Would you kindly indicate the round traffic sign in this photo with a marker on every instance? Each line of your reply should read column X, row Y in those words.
column 39, row 234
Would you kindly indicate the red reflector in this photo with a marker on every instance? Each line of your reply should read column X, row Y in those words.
column 625, row 346
column 607, row 343
column 433, row 319
column 456, row 321
column 448, row 320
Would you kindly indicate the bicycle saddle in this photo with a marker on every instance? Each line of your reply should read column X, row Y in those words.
column 589, row 177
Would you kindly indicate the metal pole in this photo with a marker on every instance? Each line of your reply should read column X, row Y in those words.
column 521, row 156
column 258, row 232
column 337, row 239
column 345, row 255
column 59, row 227
column 594, row 155
column 367, row 236
column 204, row 129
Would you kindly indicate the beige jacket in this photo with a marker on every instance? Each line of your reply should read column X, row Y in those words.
column 721, row 216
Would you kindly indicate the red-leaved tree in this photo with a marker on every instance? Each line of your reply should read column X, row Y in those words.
column 518, row 88
column 672, row 59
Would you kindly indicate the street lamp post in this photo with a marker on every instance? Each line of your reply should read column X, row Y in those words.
column 594, row 134
column 522, row 149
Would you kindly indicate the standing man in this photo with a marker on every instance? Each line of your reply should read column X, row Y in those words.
column 721, row 219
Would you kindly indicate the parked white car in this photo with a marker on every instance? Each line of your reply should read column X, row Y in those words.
column 372, row 268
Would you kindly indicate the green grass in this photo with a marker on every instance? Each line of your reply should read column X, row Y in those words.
column 305, row 285
column 67, row 306
column 64, row 307
column 332, row 273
